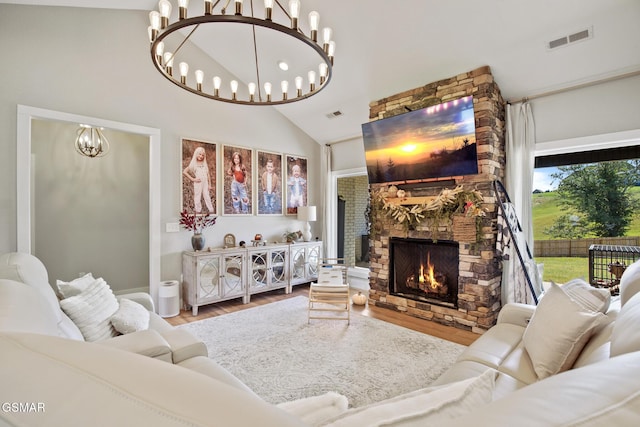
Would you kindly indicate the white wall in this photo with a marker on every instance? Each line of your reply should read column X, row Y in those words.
column 348, row 155
column 95, row 63
column 601, row 109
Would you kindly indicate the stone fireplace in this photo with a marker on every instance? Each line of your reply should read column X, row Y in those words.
column 469, row 267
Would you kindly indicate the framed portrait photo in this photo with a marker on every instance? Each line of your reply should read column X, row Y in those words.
column 198, row 166
column 296, row 183
column 237, row 169
column 269, row 188
column 229, row 240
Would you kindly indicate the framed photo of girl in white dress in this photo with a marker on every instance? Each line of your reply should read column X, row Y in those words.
column 296, row 183
column 199, row 177
column 237, row 168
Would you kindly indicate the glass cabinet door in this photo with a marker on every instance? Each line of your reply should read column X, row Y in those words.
column 278, row 267
column 259, row 269
column 313, row 259
column 233, row 275
column 209, row 283
column 298, row 262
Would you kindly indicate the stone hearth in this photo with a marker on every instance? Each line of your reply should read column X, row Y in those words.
column 478, row 296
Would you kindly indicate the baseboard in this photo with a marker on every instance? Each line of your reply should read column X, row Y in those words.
column 144, row 289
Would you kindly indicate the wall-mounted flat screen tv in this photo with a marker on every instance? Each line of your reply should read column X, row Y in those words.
column 433, row 142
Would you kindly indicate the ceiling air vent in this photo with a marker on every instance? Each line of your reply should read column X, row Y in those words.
column 558, row 42
column 334, row 114
column 571, row 38
column 581, row 35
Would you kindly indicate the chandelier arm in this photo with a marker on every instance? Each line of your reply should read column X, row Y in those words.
column 224, row 8
column 283, row 9
column 239, row 19
column 174, row 53
column 255, row 56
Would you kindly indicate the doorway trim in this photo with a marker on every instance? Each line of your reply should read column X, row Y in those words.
column 332, row 196
column 23, row 179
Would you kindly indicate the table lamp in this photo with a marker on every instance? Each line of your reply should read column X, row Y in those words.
column 307, row 214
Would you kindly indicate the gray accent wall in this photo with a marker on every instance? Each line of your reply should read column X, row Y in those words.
column 90, row 214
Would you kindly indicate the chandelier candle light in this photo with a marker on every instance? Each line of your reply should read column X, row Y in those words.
column 315, row 58
column 307, row 214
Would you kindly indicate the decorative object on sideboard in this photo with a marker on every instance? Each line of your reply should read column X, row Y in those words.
column 91, row 142
column 196, row 223
column 292, row 236
column 167, row 39
column 307, row 214
column 258, row 240
column 229, row 241
column 197, row 241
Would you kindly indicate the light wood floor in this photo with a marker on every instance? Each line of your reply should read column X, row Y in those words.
column 427, row 327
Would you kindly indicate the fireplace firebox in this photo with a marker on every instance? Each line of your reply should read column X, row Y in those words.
column 425, row 270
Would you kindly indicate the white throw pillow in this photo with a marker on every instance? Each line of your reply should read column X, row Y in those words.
column 130, row 317
column 74, row 287
column 428, row 406
column 558, row 331
column 91, row 310
column 596, row 299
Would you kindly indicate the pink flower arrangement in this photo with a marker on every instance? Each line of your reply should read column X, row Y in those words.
column 196, row 222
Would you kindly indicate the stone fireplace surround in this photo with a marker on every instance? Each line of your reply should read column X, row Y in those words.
column 479, row 270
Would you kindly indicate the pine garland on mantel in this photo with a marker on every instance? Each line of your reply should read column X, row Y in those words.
column 432, row 210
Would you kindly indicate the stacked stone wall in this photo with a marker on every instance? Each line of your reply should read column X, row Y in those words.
column 479, row 270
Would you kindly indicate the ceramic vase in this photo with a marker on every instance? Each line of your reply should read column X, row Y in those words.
column 197, row 241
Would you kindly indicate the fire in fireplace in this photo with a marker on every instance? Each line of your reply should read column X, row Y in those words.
column 424, row 270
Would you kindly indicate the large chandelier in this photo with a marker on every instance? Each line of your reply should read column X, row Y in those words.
column 255, row 41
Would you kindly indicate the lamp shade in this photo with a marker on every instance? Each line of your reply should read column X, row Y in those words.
column 307, row 213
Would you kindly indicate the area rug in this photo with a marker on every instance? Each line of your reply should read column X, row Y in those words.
column 274, row 351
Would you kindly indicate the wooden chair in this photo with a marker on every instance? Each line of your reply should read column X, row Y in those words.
column 329, row 297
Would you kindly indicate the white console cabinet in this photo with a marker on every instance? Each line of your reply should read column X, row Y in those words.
column 223, row 274
column 304, row 259
column 268, row 268
column 213, row 276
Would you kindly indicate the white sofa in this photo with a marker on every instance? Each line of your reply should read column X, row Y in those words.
column 28, row 304
column 160, row 340
column 48, row 379
column 502, row 347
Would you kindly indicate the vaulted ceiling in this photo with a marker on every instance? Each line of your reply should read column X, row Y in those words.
column 386, row 47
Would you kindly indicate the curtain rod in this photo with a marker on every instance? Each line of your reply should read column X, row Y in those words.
column 570, row 88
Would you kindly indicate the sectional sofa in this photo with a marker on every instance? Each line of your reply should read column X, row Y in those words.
column 573, row 360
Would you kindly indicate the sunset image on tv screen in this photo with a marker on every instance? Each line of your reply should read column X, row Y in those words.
column 437, row 141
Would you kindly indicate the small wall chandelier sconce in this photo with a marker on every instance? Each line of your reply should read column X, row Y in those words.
column 91, row 142
column 264, row 35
